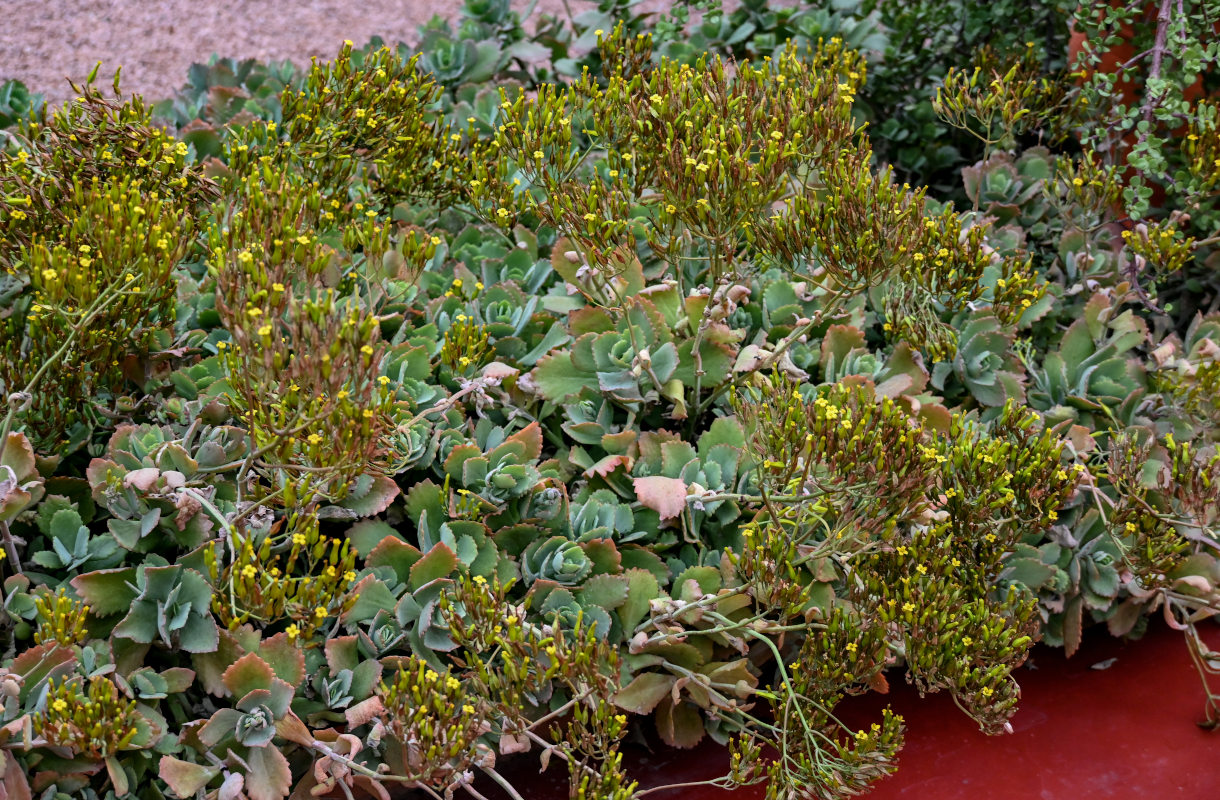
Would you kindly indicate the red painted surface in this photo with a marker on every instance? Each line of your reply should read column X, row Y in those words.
column 1126, row 732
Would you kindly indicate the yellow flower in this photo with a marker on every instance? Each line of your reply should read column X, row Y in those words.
column 320, row 612
column 293, row 632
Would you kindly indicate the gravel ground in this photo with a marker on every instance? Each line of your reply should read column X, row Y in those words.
column 44, row 41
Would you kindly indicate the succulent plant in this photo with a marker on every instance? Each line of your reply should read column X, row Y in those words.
column 1092, row 378
column 503, row 473
column 16, row 103
column 170, row 604
column 983, row 364
column 556, row 559
column 454, row 60
column 71, row 547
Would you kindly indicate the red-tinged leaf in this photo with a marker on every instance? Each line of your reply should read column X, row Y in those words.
column 285, row 658
column 107, row 591
column 184, row 778
column 1072, row 625
column 44, row 662
column 498, row 371
column 605, row 556
column 364, row 712
column 644, row 692
column 247, row 674
column 395, row 554
column 609, row 464
column 371, row 495
column 270, row 777
column 879, row 684
column 118, row 777
column 438, row 563
column 679, row 726
column 342, row 652
column 666, row 496
column 19, row 456
column 291, row 728
column 531, row 437
column 13, row 783
column 1124, row 617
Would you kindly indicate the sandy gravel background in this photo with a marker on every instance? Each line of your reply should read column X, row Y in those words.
column 44, row 41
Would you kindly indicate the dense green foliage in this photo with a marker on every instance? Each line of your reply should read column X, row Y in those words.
column 366, row 422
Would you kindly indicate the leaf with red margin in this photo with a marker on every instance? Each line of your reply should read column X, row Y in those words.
column 248, row 673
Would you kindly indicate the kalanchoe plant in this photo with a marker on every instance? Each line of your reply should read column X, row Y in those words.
column 416, row 410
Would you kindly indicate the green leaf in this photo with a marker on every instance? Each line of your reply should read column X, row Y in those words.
column 557, row 378
column 65, row 525
column 367, row 534
column 107, row 591
column 707, row 579
column 604, row 591
column 642, row 587
column 555, row 336
column 644, row 692
column 372, row 596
